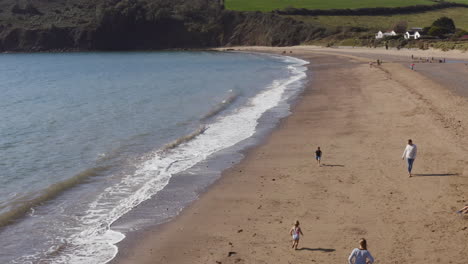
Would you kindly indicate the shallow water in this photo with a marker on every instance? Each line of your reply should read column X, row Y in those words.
column 86, row 137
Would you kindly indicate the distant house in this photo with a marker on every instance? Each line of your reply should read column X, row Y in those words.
column 380, row 35
column 412, row 34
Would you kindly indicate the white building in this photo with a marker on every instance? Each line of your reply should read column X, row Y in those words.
column 380, row 35
column 412, row 34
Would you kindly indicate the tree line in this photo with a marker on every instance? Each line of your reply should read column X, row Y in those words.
column 376, row 11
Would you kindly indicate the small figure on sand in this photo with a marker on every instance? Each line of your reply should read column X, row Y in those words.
column 412, row 66
column 295, row 232
column 361, row 255
column 464, row 210
column 410, row 155
column 318, row 156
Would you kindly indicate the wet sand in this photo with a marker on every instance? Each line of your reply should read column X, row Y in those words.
column 361, row 117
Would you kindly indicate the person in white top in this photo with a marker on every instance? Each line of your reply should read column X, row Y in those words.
column 410, row 154
column 361, row 255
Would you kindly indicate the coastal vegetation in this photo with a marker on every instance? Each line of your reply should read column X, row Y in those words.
column 355, row 23
column 270, row 5
column 375, row 23
column 179, row 24
column 139, row 24
column 443, row 25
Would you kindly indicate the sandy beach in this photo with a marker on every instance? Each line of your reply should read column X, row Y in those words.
column 361, row 117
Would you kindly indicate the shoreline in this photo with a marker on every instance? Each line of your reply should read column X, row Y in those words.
column 280, row 183
column 225, row 159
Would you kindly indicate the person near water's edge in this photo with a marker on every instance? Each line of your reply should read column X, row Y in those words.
column 318, row 155
column 361, row 255
column 410, row 155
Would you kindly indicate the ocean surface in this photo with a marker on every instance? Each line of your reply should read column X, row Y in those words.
column 94, row 146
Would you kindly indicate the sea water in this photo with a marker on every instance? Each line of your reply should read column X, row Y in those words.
column 86, row 139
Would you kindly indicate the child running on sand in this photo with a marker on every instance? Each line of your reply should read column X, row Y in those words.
column 296, row 232
column 318, row 155
column 361, row 255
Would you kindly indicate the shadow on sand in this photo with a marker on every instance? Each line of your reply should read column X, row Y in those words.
column 332, row 165
column 317, row 249
column 435, row 174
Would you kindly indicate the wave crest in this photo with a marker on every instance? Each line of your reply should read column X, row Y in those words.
column 23, row 205
column 185, row 138
column 221, row 106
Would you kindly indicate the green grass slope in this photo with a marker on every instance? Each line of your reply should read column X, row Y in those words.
column 459, row 15
column 459, row 1
column 268, row 5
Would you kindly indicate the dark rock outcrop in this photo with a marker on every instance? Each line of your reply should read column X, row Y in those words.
column 266, row 29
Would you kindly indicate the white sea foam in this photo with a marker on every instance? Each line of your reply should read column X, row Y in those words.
column 94, row 241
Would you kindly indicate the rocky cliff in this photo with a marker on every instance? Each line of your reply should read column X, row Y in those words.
column 139, row 24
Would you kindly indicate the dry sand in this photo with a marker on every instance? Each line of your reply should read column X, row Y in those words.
column 361, row 117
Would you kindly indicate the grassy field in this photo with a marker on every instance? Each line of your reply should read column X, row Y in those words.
column 459, row 15
column 268, row 5
column 459, row 1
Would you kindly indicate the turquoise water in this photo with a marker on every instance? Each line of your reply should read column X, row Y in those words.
column 86, row 137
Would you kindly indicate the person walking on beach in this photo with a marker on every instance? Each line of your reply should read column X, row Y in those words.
column 295, row 232
column 361, row 255
column 410, row 155
column 318, row 156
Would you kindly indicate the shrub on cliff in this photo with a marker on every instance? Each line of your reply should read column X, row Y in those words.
column 400, row 27
column 437, row 31
column 445, row 23
column 29, row 9
column 442, row 26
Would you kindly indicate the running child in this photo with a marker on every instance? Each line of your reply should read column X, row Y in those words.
column 296, row 232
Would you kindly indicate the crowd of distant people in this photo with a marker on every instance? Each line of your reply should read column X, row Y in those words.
column 427, row 59
column 414, row 60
